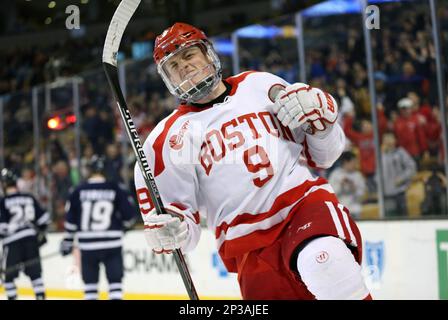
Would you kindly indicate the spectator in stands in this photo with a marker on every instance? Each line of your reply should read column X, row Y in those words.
column 409, row 130
column 62, row 180
column 26, row 182
column 433, row 131
column 44, row 190
column 364, row 141
column 75, row 173
column 90, row 124
column 345, row 103
column 428, row 117
column 113, row 163
column 14, row 162
column 137, row 110
column 105, row 130
column 87, row 154
column 408, row 80
column 348, row 183
column 61, row 187
column 380, row 86
column 398, row 170
column 146, row 126
column 57, row 149
column 435, row 184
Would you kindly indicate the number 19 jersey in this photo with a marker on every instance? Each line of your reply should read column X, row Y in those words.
column 98, row 212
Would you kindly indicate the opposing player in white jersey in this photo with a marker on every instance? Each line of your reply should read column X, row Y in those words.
column 231, row 154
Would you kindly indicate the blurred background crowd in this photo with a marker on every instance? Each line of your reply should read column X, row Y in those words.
column 39, row 83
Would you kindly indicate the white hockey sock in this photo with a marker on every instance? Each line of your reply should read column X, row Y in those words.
column 115, row 291
column 38, row 287
column 11, row 291
column 91, row 291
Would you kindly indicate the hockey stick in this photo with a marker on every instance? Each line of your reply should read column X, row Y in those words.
column 116, row 29
column 28, row 263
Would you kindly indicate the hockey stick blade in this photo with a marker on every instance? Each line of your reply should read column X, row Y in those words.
column 115, row 32
column 119, row 22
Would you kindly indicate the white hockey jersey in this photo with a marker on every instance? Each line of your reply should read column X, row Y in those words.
column 236, row 165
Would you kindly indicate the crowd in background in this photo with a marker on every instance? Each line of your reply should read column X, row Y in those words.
column 409, row 120
column 408, row 115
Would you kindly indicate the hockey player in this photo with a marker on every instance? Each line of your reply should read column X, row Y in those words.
column 23, row 224
column 98, row 212
column 232, row 154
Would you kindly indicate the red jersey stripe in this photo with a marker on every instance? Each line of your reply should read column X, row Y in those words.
column 236, row 80
column 159, row 165
column 342, row 222
column 309, row 159
column 231, row 250
column 252, row 241
column 282, row 201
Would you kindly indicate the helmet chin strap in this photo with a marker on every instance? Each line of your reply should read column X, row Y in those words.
column 200, row 90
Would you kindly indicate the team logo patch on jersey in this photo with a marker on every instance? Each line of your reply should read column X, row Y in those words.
column 176, row 140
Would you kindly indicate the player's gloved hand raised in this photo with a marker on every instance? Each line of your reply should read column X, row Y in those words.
column 66, row 247
column 166, row 232
column 302, row 105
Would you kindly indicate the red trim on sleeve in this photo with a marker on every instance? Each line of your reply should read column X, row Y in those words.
column 306, row 150
column 307, row 88
column 197, row 217
column 344, row 226
column 179, row 206
column 159, row 165
column 155, row 226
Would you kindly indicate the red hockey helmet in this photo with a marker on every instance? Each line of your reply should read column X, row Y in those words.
column 176, row 36
column 175, row 39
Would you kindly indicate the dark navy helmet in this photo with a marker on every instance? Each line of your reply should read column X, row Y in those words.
column 97, row 164
column 8, row 178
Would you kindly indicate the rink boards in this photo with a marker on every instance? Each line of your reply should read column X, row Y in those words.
column 401, row 260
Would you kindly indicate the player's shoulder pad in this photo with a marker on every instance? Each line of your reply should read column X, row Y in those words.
column 159, row 129
column 270, row 78
column 262, row 80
